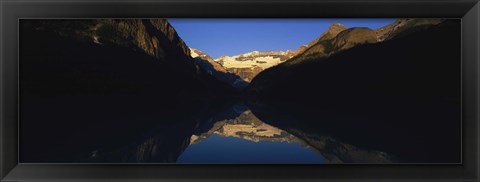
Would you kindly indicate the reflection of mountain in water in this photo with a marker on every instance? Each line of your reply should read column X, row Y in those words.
column 165, row 144
column 249, row 127
column 245, row 126
column 164, row 147
column 162, row 144
column 334, row 150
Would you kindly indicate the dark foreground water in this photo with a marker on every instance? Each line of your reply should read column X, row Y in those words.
column 125, row 131
column 236, row 136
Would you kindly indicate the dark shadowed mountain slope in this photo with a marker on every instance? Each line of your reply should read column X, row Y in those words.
column 401, row 26
column 109, row 56
column 86, row 83
column 344, row 40
column 332, row 149
column 401, row 96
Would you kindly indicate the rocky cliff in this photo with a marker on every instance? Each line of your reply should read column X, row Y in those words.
column 215, row 69
column 156, row 39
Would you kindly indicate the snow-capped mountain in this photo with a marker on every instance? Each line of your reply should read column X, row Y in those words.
column 248, row 65
column 263, row 60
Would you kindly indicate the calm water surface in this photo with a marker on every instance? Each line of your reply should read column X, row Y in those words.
column 223, row 149
column 236, row 135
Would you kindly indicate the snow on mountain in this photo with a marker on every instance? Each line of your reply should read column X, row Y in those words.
column 248, row 65
column 252, row 59
column 193, row 53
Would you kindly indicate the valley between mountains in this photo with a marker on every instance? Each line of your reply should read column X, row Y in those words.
column 131, row 90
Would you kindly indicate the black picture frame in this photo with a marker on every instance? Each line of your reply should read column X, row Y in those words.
column 467, row 10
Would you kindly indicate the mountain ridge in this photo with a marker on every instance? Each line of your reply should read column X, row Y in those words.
column 217, row 70
column 346, row 38
column 249, row 64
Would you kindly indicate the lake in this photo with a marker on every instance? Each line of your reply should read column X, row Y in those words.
column 234, row 136
column 138, row 130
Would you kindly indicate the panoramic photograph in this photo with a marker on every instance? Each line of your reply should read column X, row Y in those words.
column 240, row 91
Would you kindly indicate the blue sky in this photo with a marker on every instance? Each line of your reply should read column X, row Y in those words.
column 228, row 37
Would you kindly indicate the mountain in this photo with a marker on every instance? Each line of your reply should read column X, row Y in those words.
column 115, row 54
column 120, row 77
column 331, row 32
column 338, row 38
column 216, row 69
column 263, row 60
column 403, row 25
column 195, row 53
column 248, row 65
column 367, row 94
column 154, row 37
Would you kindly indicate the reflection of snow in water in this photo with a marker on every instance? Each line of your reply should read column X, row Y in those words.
column 95, row 40
column 242, row 130
column 246, row 126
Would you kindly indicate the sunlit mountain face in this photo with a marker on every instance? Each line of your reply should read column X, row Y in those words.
column 152, row 91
